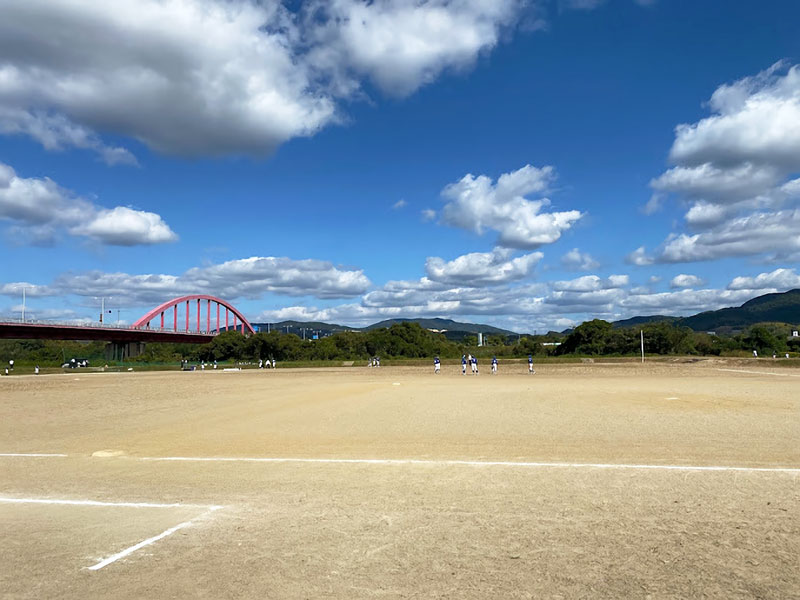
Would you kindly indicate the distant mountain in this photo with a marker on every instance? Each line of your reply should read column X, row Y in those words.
column 445, row 325
column 305, row 329
column 769, row 308
column 633, row 321
column 452, row 329
column 776, row 308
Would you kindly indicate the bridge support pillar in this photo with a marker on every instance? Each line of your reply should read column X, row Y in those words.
column 121, row 351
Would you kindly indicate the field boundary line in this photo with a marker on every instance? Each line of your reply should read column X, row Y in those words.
column 31, row 455
column 759, row 372
column 468, row 463
column 104, row 503
column 131, row 549
column 210, row 508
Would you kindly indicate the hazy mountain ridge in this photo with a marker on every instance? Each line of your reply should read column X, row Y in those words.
column 774, row 308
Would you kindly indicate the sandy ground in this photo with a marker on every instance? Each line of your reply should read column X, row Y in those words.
column 487, row 486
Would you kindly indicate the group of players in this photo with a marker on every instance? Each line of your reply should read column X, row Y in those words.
column 472, row 361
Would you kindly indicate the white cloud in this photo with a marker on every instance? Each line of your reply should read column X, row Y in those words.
column 402, row 45
column 213, row 77
column 56, row 132
column 123, row 226
column 32, row 290
column 591, row 283
column 39, row 208
column 686, row 281
column 759, row 233
column 639, row 257
column 779, row 279
column 478, row 203
column 579, row 261
column 482, row 268
column 399, row 204
column 735, row 168
column 428, row 214
column 756, row 120
column 243, row 278
column 723, row 185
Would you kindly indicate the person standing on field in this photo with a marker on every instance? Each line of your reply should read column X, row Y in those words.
column 474, row 365
column 437, row 365
column 463, row 364
column 494, row 365
column 530, row 365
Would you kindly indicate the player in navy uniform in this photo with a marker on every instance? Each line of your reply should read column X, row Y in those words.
column 530, row 364
column 494, row 365
column 436, row 365
column 463, row 364
column 475, row 365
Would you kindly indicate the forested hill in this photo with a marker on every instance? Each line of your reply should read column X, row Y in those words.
column 453, row 329
column 444, row 325
column 770, row 308
column 773, row 308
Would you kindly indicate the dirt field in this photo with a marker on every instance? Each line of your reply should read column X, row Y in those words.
column 584, row 480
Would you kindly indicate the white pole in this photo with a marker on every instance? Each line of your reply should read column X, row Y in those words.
column 102, row 307
column 23, row 304
column 641, row 333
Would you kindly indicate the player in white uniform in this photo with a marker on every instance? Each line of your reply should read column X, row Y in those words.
column 436, row 365
column 494, row 365
column 463, row 364
column 530, row 364
column 474, row 365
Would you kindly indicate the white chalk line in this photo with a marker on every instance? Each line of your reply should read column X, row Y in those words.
column 103, row 503
column 31, row 455
column 115, row 557
column 412, row 461
column 468, row 463
column 759, row 372
column 130, row 550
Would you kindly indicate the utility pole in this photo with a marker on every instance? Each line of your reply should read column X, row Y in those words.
column 23, row 303
column 102, row 308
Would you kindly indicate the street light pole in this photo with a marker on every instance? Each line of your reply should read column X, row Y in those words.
column 23, row 303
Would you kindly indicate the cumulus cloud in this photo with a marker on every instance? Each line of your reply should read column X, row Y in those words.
column 639, row 257
column 777, row 233
column 737, row 170
column 479, row 203
column 123, row 226
column 242, row 278
column 779, row 279
column 402, row 45
column 579, row 261
column 686, row 281
column 32, row 290
column 213, row 77
column 591, row 283
column 482, row 268
column 39, row 208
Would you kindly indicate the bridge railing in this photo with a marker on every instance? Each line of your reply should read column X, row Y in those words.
column 98, row 325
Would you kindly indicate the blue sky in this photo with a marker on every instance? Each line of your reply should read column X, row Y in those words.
column 525, row 164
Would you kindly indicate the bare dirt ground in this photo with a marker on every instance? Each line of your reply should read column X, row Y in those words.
column 585, row 480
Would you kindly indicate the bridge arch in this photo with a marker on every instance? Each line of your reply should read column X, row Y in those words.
column 239, row 320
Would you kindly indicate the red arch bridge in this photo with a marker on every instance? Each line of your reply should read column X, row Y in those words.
column 193, row 319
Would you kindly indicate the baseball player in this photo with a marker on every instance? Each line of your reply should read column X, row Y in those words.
column 530, row 365
column 436, row 365
column 494, row 365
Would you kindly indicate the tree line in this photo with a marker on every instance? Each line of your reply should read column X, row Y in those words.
column 410, row 340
